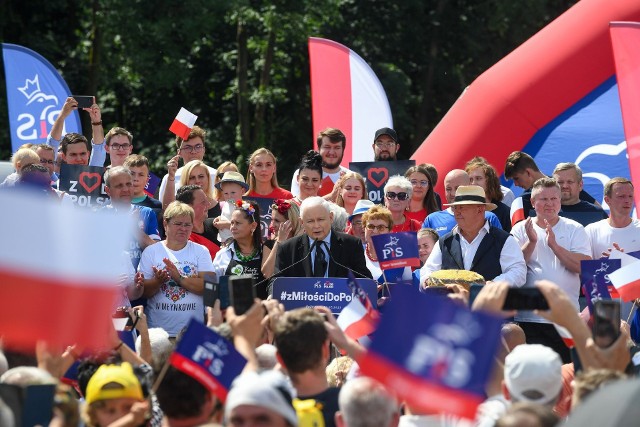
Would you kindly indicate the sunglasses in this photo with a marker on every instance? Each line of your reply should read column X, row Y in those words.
column 400, row 196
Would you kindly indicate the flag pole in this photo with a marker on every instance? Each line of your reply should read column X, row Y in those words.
column 161, row 375
column 385, row 285
column 633, row 308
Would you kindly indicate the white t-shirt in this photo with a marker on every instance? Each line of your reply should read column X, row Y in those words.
column 173, row 306
column 163, row 184
column 295, row 187
column 544, row 264
column 602, row 236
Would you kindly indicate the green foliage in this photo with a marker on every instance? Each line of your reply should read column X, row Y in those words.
column 148, row 59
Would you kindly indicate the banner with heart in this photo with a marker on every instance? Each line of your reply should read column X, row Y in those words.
column 376, row 175
column 83, row 184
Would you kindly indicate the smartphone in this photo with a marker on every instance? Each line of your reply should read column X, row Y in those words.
column 437, row 290
column 84, row 101
column 525, row 299
column 211, row 289
column 474, row 290
column 122, row 320
column 241, row 293
column 606, row 322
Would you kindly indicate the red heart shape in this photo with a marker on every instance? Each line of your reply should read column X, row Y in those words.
column 382, row 173
column 90, row 176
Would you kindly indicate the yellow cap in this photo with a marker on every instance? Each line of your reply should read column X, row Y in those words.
column 121, row 381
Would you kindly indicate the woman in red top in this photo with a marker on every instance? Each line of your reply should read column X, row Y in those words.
column 423, row 201
column 262, row 178
column 397, row 193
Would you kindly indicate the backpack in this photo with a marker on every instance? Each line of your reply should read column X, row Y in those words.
column 309, row 412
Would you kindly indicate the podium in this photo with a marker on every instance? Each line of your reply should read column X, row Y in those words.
column 331, row 292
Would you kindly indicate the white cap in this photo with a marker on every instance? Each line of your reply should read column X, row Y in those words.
column 532, row 373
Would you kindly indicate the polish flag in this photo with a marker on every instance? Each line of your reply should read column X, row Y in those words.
column 346, row 94
column 626, row 280
column 183, row 123
column 356, row 321
column 566, row 336
column 625, row 39
column 58, row 270
column 517, row 211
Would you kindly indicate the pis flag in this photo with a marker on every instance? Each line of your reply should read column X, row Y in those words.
column 594, row 278
column 346, row 94
column 443, row 358
column 63, row 263
column 183, row 123
column 395, row 250
column 208, row 358
column 625, row 39
column 35, row 95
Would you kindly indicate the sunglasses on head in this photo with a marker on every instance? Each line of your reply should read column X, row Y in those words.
column 393, row 195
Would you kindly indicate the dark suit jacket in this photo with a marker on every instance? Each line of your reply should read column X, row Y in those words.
column 346, row 250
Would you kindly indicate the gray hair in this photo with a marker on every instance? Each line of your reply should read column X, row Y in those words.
column 27, row 375
column 115, row 171
column 568, row 166
column 312, row 202
column 340, row 217
column 365, row 402
column 399, row 181
column 161, row 347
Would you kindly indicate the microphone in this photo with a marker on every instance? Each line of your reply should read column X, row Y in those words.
column 275, row 275
column 348, row 268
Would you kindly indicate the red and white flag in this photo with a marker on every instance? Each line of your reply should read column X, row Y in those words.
column 517, row 211
column 625, row 39
column 356, row 321
column 626, row 280
column 183, row 123
column 566, row 336
column 346, row 94
column 58, row 270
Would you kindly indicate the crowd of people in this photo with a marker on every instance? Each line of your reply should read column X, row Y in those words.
column 206, row 220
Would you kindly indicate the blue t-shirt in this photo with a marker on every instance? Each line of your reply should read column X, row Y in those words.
column 444, row 221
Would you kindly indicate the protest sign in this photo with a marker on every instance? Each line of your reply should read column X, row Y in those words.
column 395, row 250
column 376, row 175
column 435, row 354
column 207, row 357
column 83, row 184
column 332, row 292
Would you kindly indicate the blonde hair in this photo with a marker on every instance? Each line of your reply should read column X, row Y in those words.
column 293, row 215
column 341, row 182
column 176, row 209
column 251, row 179
column 189, row 167
column 217, row 194
column 24, row 157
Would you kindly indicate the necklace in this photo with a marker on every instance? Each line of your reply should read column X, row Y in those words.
column 369, row 255
column 244, row 258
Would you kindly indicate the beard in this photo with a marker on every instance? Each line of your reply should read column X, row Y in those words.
column 384, row 156
column 334, row 165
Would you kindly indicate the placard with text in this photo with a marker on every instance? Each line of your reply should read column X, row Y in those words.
column 376, row 175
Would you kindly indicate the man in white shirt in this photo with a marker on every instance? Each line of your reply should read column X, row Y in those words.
column 553, row 247
column 475, row 245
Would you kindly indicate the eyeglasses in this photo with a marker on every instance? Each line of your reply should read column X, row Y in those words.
column 357, row 223
column 192, row 148
column 119, row 147
column 377, row 227
column 424, row 183
column 46, row 162
column 182, row 224
column 385, row 144
column 400, row 196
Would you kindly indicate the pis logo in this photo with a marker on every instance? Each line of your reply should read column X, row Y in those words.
column 391, row 248
column 38, row 104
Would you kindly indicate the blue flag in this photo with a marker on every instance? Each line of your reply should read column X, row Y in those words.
column 396, row 250
column 208, row 358
column 594, row 277
column 35, row 96
column 436, row 354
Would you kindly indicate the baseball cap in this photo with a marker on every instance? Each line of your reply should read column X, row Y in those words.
column 270, row 390
column 387, row 131
column 532, row 373
column 113, row 382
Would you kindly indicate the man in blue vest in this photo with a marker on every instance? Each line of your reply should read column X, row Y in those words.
column 475, row 245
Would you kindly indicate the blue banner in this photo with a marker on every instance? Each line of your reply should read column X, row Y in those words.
column 332, row 292
column 594, row 278
column 208, row 358
column 395, row 250
column 265, row 213
column 152, row 185
column 35, row 96
column 433, row 352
